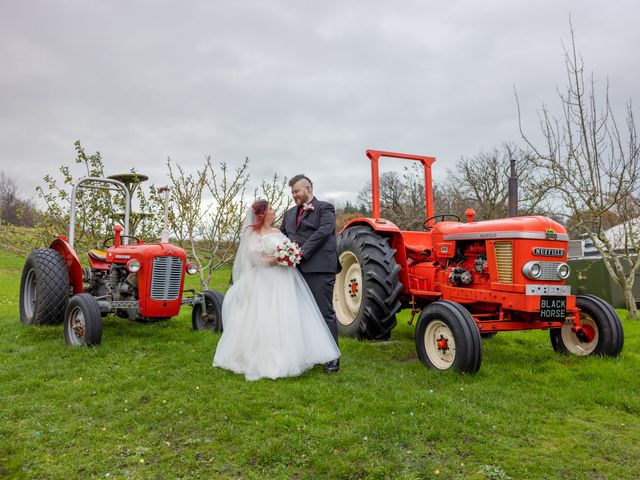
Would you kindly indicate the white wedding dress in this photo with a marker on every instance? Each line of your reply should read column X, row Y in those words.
column 272, row 326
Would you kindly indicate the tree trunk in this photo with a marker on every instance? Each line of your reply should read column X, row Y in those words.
column 630, row 303
column 624, row 280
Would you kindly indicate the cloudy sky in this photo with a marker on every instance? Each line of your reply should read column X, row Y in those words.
column 296, row 86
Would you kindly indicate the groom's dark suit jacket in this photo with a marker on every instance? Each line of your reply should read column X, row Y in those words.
column 316, row 236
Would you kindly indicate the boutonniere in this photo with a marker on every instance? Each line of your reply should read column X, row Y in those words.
column 307, row 207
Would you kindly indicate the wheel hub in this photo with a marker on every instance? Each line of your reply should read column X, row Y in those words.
column 583, row 339
column 30, row 294
column 585, row 333
column 348, row 291
column 352, row 295
column 78, row 325
column 354, row 287
column 440, row 344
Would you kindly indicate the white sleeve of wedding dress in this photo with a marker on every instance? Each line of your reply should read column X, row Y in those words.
column 250, row 253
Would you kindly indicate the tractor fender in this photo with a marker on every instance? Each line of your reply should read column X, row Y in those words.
column 389, row 230
column 377, row 224
column 73, row 263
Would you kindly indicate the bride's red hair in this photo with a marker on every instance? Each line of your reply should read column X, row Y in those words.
column 259, row 209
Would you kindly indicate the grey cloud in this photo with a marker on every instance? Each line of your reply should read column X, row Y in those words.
column 295, row 86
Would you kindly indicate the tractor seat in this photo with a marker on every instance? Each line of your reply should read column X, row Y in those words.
column 98, row 254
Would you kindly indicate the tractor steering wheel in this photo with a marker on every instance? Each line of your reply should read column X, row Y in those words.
column 111, row 239
column 442, row 216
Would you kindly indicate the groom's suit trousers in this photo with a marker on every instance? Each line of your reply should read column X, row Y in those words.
column 321, row 286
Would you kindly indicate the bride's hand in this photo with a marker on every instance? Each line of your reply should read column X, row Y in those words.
column 271, row 261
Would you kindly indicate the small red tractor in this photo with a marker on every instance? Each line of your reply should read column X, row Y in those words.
column 143, row 282
column 466, row 280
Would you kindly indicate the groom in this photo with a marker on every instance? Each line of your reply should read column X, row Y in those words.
column 312, row 225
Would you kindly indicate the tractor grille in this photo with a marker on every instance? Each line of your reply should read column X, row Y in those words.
column 165, row 278
column 504, row 259
column 549, row 271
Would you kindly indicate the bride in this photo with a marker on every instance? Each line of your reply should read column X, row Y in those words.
column 272, row 325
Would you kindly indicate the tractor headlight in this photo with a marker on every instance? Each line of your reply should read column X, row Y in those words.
column 133, row 265
column 192, row 268
column 532, row 270
column 563, row 271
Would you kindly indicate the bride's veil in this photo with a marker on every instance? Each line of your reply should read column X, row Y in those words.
column 249, row 255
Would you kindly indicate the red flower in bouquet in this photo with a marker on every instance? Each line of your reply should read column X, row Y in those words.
column 288, row 254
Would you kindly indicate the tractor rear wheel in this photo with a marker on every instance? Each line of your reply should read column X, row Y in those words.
column 447, row 338
column 207, row 315
column 367, row 288
column 44, row 288
column 83, row 321
column 602, row 331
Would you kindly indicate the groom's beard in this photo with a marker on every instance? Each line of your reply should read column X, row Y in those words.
column 301, row 201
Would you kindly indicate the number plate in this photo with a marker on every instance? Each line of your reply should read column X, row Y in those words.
column 553, row 308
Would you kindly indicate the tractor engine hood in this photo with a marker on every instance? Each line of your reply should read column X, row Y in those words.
column 533, row 227
column 145, row 250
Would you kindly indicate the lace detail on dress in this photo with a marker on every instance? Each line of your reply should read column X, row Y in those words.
column 270, row 241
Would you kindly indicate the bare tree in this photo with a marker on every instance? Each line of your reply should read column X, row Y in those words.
column 401, row 197
column 187, row 211
column 97, row 210
column 17, row 213
column 277, row 194
column 221, row 232
column 482, row 182
column 210, row 229
column 594, row 166
column 15, row 210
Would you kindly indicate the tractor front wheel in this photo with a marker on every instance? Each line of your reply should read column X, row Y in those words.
column 367, row 288
column 601, row 332
column 207, row 315
column 448, row 338
column 83, row 321
column 44, row 288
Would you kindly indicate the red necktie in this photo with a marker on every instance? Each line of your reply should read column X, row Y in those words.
column 299, row 216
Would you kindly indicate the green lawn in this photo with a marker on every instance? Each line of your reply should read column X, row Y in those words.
column 148, row 404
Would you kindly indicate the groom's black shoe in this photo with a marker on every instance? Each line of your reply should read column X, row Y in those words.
column 333, row 366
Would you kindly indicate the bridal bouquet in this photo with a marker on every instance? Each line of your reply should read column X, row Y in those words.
column 288, row 254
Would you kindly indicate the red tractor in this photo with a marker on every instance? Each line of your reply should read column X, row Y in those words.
column 143, row 282
column 466, row 280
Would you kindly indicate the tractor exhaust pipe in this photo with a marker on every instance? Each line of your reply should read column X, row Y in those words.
column 164, row 236
column 513, row 190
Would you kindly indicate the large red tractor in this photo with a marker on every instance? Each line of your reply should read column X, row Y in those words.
column 466, row 281
column 143, row 282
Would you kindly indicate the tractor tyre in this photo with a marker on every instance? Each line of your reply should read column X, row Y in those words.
column 447, row 338
column 212, row 320
column 367, row 289
column 83, row 321
column 603, row 329
column 44, row 288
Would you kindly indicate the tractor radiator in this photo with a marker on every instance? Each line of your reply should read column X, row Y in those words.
column 549, row 271
column 166, row 277
column 504, row 259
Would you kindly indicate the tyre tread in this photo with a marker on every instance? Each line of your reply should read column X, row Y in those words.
column 93, row 319
column 380, row 275
column 216, row 298
column 467, row 360
column 52, row 287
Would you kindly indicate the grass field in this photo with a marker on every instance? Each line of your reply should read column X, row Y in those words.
column 148, row 404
